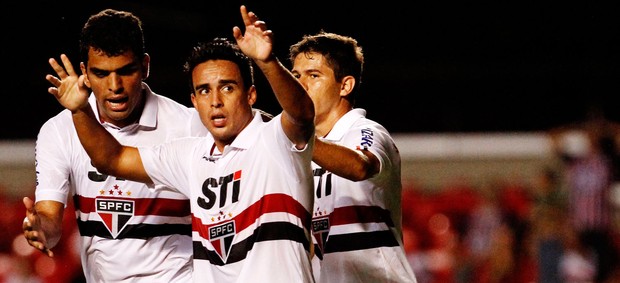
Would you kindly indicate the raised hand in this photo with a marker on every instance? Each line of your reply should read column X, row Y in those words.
column 32, row 228
column 69, row 88
column 257, row 42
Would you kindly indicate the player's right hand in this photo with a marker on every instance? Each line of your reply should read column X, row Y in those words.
column 32, row 228
column 69, row 87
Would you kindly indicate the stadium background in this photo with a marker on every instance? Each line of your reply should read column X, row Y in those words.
column 468, row 89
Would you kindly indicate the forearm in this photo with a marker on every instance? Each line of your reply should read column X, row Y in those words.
column 101, row 146
column 51, row 229
column 49, row 216
column 290, row 94
column 351, row 164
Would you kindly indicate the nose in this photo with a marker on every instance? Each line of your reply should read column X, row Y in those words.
column 116, row 83
column 216, row 100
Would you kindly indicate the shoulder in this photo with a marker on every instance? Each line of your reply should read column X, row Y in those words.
column 168, row 106
column 61, row 122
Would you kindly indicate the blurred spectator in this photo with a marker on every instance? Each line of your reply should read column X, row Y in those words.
column 578, row 262
column 547, row 219
column 483, row 222
column 590, row 155
column 416, row 255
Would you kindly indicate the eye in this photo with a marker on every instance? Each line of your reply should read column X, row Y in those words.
column 202, row 91
column 100, row 73
column 228, row 89
column 129, row 70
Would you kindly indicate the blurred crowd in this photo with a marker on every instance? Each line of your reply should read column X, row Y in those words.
column 562, row 225
column 507, row 231
column 510, row 231
column 21, row 263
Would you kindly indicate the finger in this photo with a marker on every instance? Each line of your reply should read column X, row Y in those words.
column 60, row 71
column 260, row 24
column 26, row 225
column 237, row 33
column 29, row 205
column 53, row 80
column 48, row 252
column 68, row 65
column 43, row 249
column 53, row 91
column 245, row 16
column 39, row 246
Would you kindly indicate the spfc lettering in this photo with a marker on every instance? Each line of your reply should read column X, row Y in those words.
column 115, row 206
column 320, row 230
column 115, row 213
column 221, row 237
column 222, row 230
column 320, row 225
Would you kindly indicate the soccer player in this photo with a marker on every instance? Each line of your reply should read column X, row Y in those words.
column 250, row 182
column 357, row 206
column 127, row 232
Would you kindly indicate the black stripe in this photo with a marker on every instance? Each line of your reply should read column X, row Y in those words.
column 359, row 241
column 272, row 231
column 139, row 231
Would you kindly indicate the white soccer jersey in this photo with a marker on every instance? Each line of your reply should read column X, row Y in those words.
column 250, row 205
column 357, row 225
column 128, row 232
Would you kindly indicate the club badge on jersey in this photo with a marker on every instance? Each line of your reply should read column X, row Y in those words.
column 115, row 213
column 221, row 237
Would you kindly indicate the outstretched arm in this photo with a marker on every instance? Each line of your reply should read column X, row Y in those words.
column 298, row 110
column 106, row 153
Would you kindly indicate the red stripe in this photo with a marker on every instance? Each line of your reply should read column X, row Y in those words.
column 267, row 204
column 143, row 206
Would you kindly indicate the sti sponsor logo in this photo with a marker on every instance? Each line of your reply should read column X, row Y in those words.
column 220, row 191
column 115, row 213
column 221, row 237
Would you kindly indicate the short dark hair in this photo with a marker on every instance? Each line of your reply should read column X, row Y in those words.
column 220, row 49
column 343, row 53
column 112, row 32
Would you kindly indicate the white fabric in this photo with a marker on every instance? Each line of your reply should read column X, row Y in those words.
column 251, row 205
column 128, row 233
column 363, row 241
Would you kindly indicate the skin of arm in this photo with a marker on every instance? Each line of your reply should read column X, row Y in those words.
column 298, row 109
column 355, row 165
column 106, row 153
column 43, row 224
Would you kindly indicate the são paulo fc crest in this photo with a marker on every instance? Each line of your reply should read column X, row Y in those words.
column 221, row 237
column 115, row 213
column 320, row 230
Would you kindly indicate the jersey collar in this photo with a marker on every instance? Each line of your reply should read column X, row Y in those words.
column 149, row 113
column 344, row 123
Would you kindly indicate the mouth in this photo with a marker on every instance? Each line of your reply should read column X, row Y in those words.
column 118, row 104
column 219, row 120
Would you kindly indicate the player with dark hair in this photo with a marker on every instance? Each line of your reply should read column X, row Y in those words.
column 127, row 232
column 249, row 182
column 357, row 206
